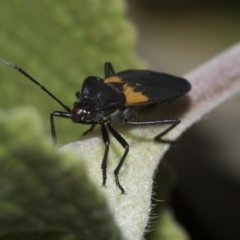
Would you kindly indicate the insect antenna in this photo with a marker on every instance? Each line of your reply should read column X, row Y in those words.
column 36, row 82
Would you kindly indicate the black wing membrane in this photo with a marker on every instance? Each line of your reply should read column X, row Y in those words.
column 157, row 87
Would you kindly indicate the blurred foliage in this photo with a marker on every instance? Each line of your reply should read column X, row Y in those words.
column 60, row 43
column 45, row 194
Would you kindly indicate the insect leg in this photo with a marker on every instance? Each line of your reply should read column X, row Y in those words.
column 57, row 114
column 104, row 161
column 109, row 71
column 122, row 141
column 89, row 130
column 173, row 121
column 158, row 138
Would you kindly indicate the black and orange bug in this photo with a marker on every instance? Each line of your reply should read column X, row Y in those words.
column 117, row 96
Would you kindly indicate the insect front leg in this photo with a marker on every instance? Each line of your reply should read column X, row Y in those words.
column 104, row 161
column 52, row 123
column 122, row 141
column 109, row 71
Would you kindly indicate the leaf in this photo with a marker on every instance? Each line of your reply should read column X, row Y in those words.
column 45, row 194
column 212, row 84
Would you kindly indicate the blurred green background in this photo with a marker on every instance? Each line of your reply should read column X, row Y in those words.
column 60, row 43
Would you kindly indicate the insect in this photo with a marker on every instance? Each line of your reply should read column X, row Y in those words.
column 117, row 96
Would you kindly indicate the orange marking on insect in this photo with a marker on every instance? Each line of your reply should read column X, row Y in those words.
column 133, row 97
column 113, row 79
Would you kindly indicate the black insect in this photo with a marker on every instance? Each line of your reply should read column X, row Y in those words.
column 101, row 101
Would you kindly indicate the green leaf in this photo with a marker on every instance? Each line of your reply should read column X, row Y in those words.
column 45, row 194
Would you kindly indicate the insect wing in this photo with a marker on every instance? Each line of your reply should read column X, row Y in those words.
column 143, row 87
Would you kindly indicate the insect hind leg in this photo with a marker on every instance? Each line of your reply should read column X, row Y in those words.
column 158, row 138
column 173, row 121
